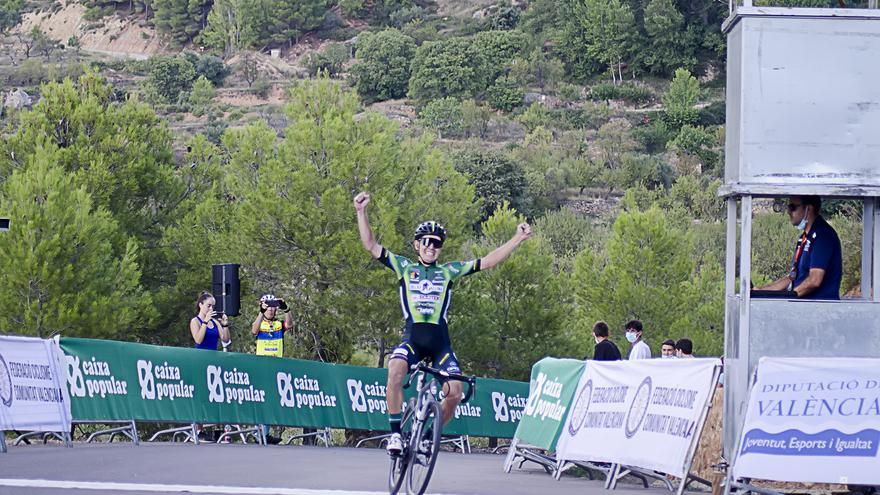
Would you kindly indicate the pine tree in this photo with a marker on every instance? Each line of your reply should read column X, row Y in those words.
column 121, row 153
column 669, row 43
column 295, row 232
column 681, row 98
column 610, row 32
column 61, row 273
column 643, row 274
column 504, row 320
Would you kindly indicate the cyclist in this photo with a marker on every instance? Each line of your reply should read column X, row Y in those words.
column 425, row 292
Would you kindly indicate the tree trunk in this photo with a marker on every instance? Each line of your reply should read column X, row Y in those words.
column 381, row 360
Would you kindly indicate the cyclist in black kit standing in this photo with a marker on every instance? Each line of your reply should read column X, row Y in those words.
column 425, row 291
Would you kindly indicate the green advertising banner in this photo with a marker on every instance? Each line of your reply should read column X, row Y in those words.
column 553, row 384
column 111, row 380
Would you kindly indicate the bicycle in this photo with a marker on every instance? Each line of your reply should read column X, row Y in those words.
column 419, row 455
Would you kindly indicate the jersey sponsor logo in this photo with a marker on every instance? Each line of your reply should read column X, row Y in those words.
column 425, row 298
column 425, row 287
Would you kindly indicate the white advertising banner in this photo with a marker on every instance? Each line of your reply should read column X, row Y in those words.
column 813, row 420
column 642, row 413
column 32, row 397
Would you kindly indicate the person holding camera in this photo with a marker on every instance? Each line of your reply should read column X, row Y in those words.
column 268, row 329
column 269, row 332
column 206, row 329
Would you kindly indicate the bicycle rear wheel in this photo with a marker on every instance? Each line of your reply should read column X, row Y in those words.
column 423, row 451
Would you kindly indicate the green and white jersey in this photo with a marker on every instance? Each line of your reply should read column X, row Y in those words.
column 425, row 294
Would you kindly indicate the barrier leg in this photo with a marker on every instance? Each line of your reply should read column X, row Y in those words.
column 612, row 477
column 681, row 486
column 560, row 467
column 2, row 442
column 728, row 482
column 368, row 439
column 511, row 454
column 195, row 434
column 134, row 434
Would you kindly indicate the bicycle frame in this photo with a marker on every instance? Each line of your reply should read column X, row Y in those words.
column 425, row 395
column 420, row 452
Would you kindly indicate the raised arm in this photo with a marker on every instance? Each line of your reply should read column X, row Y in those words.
column 255, row 326
column 493, row 259
column 367, row 238
column 225, row 335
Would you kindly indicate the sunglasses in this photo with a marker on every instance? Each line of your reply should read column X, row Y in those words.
column 430, row 241
column 781, row 207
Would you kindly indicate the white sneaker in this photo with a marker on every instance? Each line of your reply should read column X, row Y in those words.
column 395, row 444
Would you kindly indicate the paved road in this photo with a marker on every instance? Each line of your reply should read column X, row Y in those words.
column 97, row 469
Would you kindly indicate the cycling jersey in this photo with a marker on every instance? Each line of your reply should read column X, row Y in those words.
column 425, row 294
column 270, row 339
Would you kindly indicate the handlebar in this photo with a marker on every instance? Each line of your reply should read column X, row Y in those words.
column 444, row 376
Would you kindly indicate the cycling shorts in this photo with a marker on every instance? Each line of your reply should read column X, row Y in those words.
column 443, row 359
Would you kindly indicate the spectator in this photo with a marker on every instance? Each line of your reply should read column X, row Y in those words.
column 206, row 329
column 269, row 332
column 605, row 350
column 684, row 348
column 817, row 264
column 667, row 349
column 639, row 349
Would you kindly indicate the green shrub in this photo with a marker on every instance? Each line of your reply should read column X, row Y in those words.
column 653, row 135
column 212, row 68
column 31, row 72
column 590, row 116
column 235, row 115
column 330, row 60
column 570, row 92
column 261, row 88
column 506, row 94
column 171, row 76
column 443, row 115
column 93, row 14
column 383, row 72
column 713, row 114
column 536, row 115
column 629, row 92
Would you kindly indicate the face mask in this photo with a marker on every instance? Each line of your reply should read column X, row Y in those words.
column 803, row 224
column 631, row 337
column 667, row 357
column 597, row 339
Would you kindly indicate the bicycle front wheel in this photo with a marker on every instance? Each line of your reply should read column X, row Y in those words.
column 424, row 448
column 397, row 471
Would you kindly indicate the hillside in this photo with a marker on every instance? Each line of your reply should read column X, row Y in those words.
column 180, row 133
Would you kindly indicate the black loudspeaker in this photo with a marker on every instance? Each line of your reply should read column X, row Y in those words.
column 226, row 289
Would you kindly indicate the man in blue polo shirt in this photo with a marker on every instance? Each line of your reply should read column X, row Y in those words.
column 817, row 264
